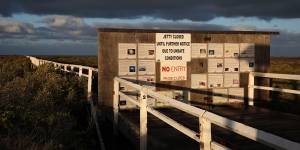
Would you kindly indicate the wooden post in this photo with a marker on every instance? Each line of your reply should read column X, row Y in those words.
column 90, row 79
column 116, row 106
column 205, row 133
column 143, row 120
column 66, row 68
column 187, row 96
column 251, row 89
column 80, row 71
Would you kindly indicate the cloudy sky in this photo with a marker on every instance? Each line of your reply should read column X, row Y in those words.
column 68, row 27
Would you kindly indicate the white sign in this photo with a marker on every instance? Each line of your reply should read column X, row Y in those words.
column 231, row 50
column 198, row 81
column 215, row 80
column 146, row 50
column 173, row 47
column 215, row 50
column 199, row 50
column 146, row 67
column 127, row 51
column 173, row 71
column 127, row 67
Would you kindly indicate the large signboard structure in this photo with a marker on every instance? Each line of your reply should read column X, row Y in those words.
column 212, row 66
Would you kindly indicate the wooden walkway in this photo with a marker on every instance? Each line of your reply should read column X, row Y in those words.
column 162, row 136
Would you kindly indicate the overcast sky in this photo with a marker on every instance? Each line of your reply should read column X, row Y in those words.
column 68, row 27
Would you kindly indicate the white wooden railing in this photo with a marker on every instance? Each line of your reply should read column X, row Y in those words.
column 206, row 119
column 252, row 86
column 64, row 67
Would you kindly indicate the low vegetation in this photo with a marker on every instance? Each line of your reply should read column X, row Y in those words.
column 285, row 65
column 41, row 108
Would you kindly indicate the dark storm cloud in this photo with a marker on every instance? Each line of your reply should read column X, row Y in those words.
column 286, row 44
column 59, row 28
column 71, row 35
column 168, row 9
column 56, row 28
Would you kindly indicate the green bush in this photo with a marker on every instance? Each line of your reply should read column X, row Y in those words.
column 42, row 108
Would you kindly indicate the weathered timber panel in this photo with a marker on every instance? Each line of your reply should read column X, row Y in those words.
column 108, row 58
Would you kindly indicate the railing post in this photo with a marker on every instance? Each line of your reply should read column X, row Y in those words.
column 187, row 96
column 143, row 120
column 205, row 133
column 90, row 79
column 251, row 89
column 66, row 68
column 80, row 71
column 116, row 106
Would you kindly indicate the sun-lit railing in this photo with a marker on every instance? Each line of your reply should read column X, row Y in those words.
column 252, row 86
column 206, row 119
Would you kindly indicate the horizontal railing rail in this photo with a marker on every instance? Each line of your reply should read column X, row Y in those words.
column 252, row 86
column 206, row 119
column 276, row 75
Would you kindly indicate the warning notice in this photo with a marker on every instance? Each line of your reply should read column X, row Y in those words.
column 173, row 47
column 173, row 71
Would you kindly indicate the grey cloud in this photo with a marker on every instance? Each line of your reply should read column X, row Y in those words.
column 168, row 9
column 7, row 26
column 286, row 44
column 64, row 29
column 162, row 24
column 58, row 39
column 63, row 21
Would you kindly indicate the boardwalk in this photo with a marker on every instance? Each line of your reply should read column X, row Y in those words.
column 162, row 136
column 228, row 126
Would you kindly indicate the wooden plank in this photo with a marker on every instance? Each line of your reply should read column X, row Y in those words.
column 277, row 76
column 276, row 89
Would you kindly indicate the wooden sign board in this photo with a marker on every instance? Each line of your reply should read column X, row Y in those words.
column 146, row 67
column 127, row 50
column 198, row 81
column 215, row 80
column 247, row 64
column 146, row 51
column 231, row 80
column 215, row 50
column 231, row 50
column 215, row 65
column 199, row 50
column 127, row 67
column 231, row 65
